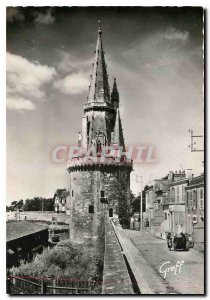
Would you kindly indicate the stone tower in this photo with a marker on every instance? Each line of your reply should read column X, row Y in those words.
column 100, row 171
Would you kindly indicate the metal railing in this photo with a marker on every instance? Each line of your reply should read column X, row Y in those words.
column 34, row 285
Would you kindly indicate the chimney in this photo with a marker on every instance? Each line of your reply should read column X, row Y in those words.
column 189, row 174
column 170, row 176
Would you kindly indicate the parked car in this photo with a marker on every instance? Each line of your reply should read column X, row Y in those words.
column 180, row 242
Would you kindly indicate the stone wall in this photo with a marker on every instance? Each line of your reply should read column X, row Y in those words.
column 87, row 210
column 39, row 216
column 116, row 279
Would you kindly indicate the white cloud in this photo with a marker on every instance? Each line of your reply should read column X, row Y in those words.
column 74, row 73
column 76, row 83
column 45, row 19
column 69, row 63
column 19, row 103
column 173, row 34
column 25, row 80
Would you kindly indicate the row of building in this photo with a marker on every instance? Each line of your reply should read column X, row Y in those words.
column 175, row 203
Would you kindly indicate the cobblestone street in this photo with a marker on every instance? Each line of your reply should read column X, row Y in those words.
column 155, row 252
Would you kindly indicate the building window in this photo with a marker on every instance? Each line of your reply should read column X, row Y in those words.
column 91, row 209
column 177, row 194
column 72, row 193
column 194, row 199
column 172, row 195
column 165, row 215
column 191, row 199
column 183, row 194
column 187, row 194
column 102, row 194
column 201, row 199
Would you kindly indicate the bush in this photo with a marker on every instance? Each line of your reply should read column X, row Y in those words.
column 65, row 261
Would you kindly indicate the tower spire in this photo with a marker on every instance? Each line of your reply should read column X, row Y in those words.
column 117, row 137
column 99, row 86
column 99, row 27
column 115, row 95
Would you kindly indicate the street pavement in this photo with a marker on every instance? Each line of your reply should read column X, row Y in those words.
column 186, row 277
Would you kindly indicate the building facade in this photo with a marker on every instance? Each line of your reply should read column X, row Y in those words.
column 61, row 201
column 177, row 201
column 99, row 179
column 195, row 207
column 158, row 203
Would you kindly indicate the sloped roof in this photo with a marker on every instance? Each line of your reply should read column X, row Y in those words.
column 196, row 181
column 115, row 94
column 182, row 181
column 18, row 229
column 59, row 192
column 118, row 132
column 99, row 86
column 65, row 194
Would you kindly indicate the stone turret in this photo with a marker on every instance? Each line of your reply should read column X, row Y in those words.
column 99, row 182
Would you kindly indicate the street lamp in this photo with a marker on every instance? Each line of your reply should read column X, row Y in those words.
column 140, row 179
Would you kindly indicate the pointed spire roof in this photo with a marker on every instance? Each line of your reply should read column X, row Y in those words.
column 115, row 95
column 117, row 137
column 99, row 86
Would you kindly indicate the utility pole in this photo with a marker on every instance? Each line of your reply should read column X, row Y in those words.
column 193, row 143
column 42, row 201
column 140, row 179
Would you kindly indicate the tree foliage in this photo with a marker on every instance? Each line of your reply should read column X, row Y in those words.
column 136, row 202
column 34, row 204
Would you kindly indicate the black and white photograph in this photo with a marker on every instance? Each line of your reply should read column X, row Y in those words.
column 105, row 162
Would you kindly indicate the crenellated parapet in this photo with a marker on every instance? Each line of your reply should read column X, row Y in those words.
column 97, row 165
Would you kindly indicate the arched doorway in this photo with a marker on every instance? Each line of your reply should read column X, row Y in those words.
column 111, row 212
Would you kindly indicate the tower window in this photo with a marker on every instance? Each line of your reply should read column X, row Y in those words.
column 91, row 209
column 98, row 147
column 88, row 131
column 102, row 194
column 72, row 193
column 111, row 212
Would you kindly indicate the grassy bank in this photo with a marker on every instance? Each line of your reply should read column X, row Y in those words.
column 66, row 260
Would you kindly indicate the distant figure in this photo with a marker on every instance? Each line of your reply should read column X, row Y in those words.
column 169, row 240
column 184, row 240
column 179, row 229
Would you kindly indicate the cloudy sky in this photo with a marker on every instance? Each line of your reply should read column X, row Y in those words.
column 156, row 56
